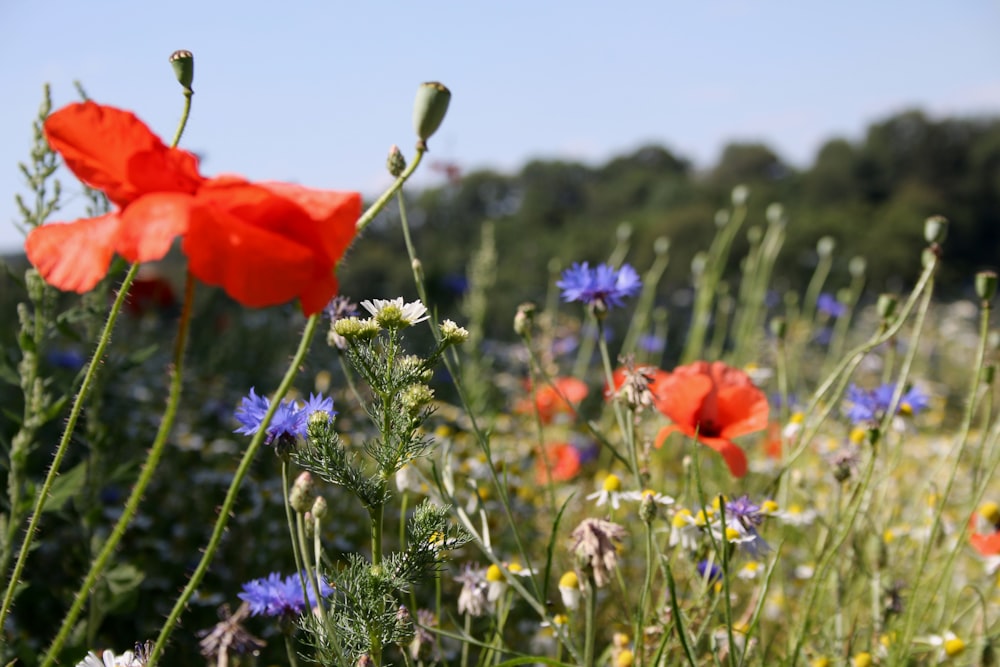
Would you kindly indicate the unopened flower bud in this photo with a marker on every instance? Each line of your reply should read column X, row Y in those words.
column 523, row 319
column 721, row 218
column 354, row 328
column 661, row 246
column 935, row 229
column 754, row 234
column 183, row 64
column 886, row 306
column 319, row 508
column 825, row 246
column 779, row 327
column 647, row 508
column 624, row 232
column 775, row 214
column 415, row 397
column 986, row 285
column 395, row 163
column 740, row 195
column 857, row 267
column 453, row 334
column 429, row 110
column 303, row 493
column 698, row 263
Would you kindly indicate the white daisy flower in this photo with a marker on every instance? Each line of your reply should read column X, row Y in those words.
column 394, row 313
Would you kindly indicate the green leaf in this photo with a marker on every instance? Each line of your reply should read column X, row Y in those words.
column 66, row 487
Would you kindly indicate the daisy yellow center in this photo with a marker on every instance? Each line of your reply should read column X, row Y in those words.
column 863, row 659
column 953, row 647
column 569, row 580
column 858, row 435
column 612, row 483
column 797, row 418
column 625, row 659
column 769, row 507
column 820, row 662
column 681, row 518
column 732, row 533
column 515, row 568
column 560, row 619
column 906, row 409
column 494, row 574
column 990, row 511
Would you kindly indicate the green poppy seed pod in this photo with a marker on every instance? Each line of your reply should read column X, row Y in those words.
column 825, row 246
column 661, row 246
column 395, row 163
column 928, row 257
column 779, row 327
column 857, row 266
column 986, row 285
column 886, row 306
column 183, row 63
column 935, row 229
column 429, row 110
column 740, row 195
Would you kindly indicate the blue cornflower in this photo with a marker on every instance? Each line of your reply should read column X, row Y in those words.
column 603, row 286
column 290, row 419
column 830, row 306
column 277, row 596
column 744, row 511
column 709, row 571
column 870, row 405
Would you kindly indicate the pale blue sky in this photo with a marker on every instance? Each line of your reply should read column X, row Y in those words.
column 316, row 92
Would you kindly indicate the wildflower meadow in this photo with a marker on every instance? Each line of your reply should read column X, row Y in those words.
column 215, row 455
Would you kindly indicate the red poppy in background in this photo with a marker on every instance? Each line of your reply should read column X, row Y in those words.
column 563, row 463
column 714, row 403
column 150, row 293
column 263, row 243
column 561, row 396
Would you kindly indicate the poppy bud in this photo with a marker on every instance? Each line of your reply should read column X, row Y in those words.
column 395, row 163
column 661, row 246
column 523, row 319
column 857, row 267
column 429, row 110
column 986, row 285
column 935, row 229
column 740, row 195
column 183, row 64
column 825, row 246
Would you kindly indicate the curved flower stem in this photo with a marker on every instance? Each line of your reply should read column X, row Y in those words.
column 590, row 620
column 74, row 414
column 227, row 505
column 145, row 477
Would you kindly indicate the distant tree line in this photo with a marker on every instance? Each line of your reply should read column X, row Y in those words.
column 871, row 196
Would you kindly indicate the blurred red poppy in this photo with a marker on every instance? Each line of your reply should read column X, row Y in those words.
column 984, row 527
column 714, row 403
column 561, row 396
column 263, row 243
column 563, row 463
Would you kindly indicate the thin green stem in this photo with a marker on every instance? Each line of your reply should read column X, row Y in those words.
column 590, row 619
column 290, row 519
column 380, row 203
column 227, row 505
column 74, row 414
column 145, row 476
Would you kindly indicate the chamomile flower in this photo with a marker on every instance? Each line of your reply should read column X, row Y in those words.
column 610, row 492
column 684, row 530
column 750, row 571
column 394, row 313
column 109, row 659
column 496, row 579
column 569, row 589
column 796, row 515
column 947, row 646
column 656, row 496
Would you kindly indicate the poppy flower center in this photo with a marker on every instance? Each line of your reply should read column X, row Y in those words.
column 709, row 428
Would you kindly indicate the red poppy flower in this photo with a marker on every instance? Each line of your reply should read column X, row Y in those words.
column 714, row 403
column 263, row 243
column 563, row 463
column 561, row 396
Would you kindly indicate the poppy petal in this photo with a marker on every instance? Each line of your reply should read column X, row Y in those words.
column 733, row 455
column 100, row 144
column 73, row 256
column 336, row 212
column 680, row 396
column 150, row 225
column 987, row 545
column 257, row 246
